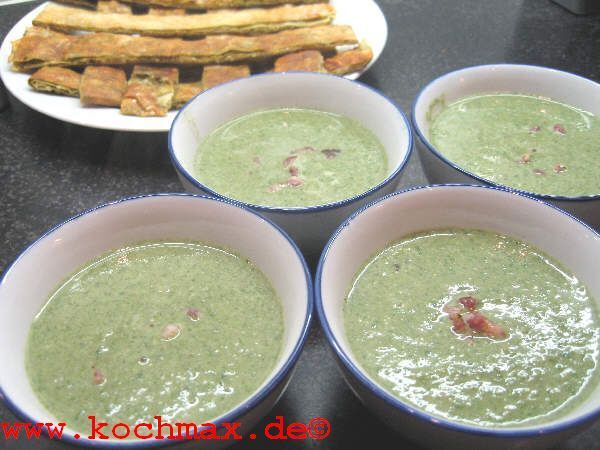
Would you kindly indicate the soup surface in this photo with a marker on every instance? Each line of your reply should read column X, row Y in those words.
column 181, row 330
column 475, row 327
column 521, row 141
column 291, row 158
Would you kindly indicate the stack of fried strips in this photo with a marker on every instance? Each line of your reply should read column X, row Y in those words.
column 171, row 40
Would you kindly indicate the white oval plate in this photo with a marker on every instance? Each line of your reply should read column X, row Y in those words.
column 365, row 17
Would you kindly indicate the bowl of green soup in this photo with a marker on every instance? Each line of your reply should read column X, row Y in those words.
column 531, row 129
column 466, row 316
column 303, row 149
column 153, row 320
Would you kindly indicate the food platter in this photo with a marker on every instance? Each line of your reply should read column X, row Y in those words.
column 365, row 17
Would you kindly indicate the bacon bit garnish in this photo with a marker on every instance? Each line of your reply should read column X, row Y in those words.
column 294, row 171
column 558, row 128
column 472, row 321
column 559, row 168
column 295, row 182
column 535, row 129
column 539, row 172
column 289, row 160
column 256, row 160
column 99, row 377
column 478, row 322
column 468, row 302
column 170, row 332
column 525, row 159
column 303, row 150
column 458, row 324
column 193, row 314
column 331, row 153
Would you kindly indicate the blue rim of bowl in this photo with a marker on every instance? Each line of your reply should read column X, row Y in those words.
column 301, row 209
column 440, row 156
column 239, row 410
column 388, row 398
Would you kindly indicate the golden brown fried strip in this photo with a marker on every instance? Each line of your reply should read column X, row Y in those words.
column 211, row 76
column 38, row 48
column 214, row 75
column 246, row 21
column 32, row 52
column 111, row 6
column 349, row 61
column 150, row 91
column 185, row 92
column 41, row 31
column 56, row 80
column 102, row 86
column 218, row 4
column 304, row 61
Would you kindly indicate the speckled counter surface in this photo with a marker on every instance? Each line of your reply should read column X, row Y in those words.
column 50, row 170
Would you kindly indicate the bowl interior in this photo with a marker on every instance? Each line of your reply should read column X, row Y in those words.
column 569, row 241
column 291, row 90
column 560, row 86
column 43, row 266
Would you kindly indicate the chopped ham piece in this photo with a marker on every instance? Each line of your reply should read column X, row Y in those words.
column 289, row 160
column 193, row 314
column 99, row 377
column 560, row 129
column 478, row 322
column 468, row 302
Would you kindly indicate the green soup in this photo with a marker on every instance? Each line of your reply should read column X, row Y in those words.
column 524, row 142
column 181, row 330
column 408, row 327
column 291, row 158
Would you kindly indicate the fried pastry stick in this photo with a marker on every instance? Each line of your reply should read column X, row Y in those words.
column 349, row 61
column 40, row 31
column 342, row 63
column 185, row 92
column 102, row 86
column 56, row 49
column 245, row 21
column 304, row 61
column 211, row 76
column 150, row 91
column 217, row 4
column 109, row 6
column 56, row 80
column 214, row 75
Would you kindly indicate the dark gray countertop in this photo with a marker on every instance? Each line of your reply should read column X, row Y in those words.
column 50, row 170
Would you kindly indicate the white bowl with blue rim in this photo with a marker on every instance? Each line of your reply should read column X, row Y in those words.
column 555, row 84
column 34, row 275
column 309, row 226
column 384, row 221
